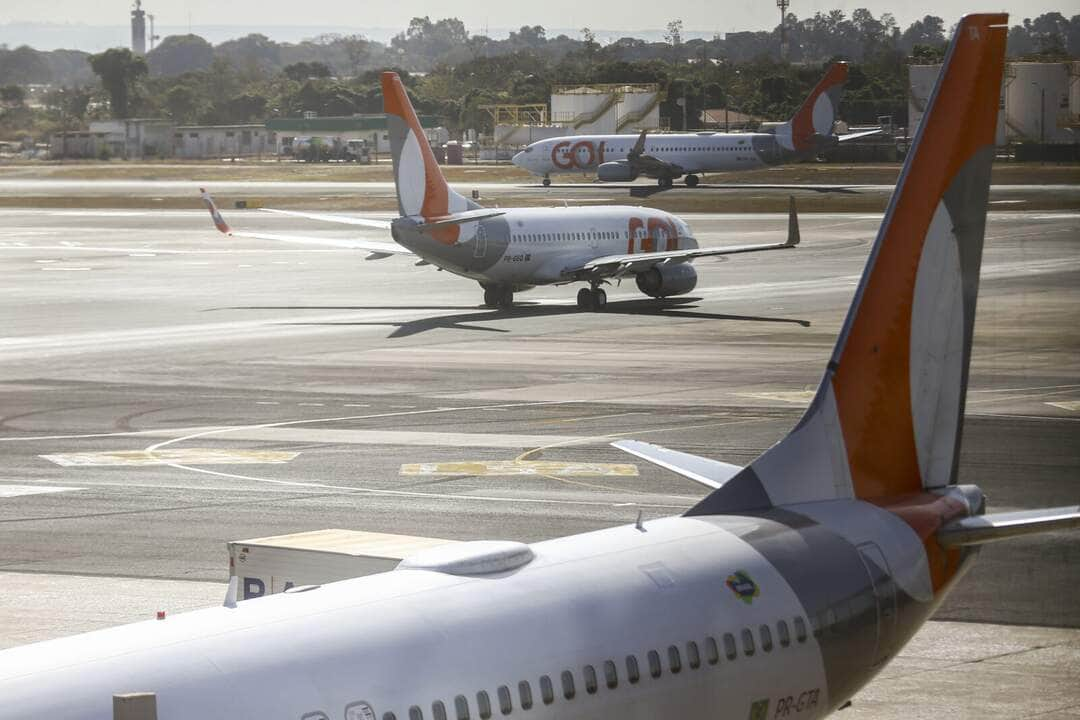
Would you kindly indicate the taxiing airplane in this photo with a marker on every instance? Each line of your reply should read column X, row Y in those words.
column 779, row 595
column 667, row 157
column 513, row 249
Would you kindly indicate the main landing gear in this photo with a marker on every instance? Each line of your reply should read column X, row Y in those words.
column 593, row 298
column 500, row 296
column 665, row 182
column 691, row 180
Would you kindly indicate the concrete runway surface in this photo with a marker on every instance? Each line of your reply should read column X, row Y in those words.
column 134, row 331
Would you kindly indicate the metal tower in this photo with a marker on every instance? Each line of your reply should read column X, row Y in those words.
column 783, row 5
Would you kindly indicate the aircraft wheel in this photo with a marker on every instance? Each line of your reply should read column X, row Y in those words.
column 546, row 182
column 691, row 180
column 665, row 182
column 585, row 299
column 491, row 297
column 599, row 299
column 506, row 298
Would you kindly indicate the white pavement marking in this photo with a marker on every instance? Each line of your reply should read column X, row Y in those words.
column 796, row 397
column 1070, row 405
column 194, row 456
column 521, row 467
column 10, row 491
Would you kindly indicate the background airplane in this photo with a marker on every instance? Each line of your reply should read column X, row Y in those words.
column 513, row 249
column 779, row 595
column 667, row 157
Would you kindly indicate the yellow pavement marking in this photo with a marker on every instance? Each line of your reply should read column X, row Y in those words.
column 1070, row 405
column 193, row 456
column 522, row 467
column 799, row 397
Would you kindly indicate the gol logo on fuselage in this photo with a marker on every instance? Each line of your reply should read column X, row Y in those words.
column 582, row 154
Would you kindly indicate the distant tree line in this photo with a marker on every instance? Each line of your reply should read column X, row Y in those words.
column 453, row 74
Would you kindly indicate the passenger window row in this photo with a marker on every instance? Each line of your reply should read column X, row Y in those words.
column 695, row 654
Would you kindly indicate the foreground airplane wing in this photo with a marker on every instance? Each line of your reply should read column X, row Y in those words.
column 340, row 219
column 378, row 250
column 710, row 473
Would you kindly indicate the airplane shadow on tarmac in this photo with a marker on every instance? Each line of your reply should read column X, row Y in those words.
column 674, row 307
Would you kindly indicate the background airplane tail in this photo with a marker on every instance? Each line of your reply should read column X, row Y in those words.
column 814, row 119
column 422, row 190
column 887, row 417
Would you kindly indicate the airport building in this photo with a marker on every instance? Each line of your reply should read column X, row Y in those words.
column 371, row 128
column 1040, row 102
column 137, row 139
column 223, row 141
column 134, row 138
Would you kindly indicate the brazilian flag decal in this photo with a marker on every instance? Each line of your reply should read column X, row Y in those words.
column 760, row 710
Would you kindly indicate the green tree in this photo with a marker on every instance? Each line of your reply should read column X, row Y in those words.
column 120, row 71
column 306, row 70
column 12, row 96
column 184, row 104
column 928, row 31
column 178, row 54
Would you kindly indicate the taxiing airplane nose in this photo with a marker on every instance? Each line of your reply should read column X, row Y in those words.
column 519, row 159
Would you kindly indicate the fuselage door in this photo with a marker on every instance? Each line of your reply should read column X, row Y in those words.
column 480, row 248
column 594, row 238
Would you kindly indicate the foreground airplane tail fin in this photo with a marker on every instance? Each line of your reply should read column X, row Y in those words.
column 422, row 190
column 815, row 117
column 886, row 419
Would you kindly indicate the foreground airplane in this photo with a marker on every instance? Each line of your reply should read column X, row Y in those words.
column 513, row 249
column 667, row 157
column 779, row 595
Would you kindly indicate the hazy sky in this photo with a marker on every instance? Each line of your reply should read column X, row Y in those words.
column 723, row 16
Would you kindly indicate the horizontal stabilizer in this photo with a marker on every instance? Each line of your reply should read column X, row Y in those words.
column 857, row 135
column 981, row 529
column 340, row 219
column 710, row 473
column 458, row 219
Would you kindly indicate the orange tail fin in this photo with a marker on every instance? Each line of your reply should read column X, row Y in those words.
column 887, row 417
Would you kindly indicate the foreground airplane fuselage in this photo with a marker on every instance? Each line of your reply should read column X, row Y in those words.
column 682, row 617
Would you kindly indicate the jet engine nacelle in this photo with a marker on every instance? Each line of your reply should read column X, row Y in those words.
column 666, row 280
column 615, row 171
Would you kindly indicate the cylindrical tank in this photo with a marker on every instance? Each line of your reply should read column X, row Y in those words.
column 1037, row 102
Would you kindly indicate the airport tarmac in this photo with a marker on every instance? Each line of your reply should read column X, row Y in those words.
column 164, row 389
column 380, row 196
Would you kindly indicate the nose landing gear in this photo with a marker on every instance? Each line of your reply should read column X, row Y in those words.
column 546, row 181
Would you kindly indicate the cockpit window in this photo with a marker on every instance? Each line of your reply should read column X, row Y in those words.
column 528, row 149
